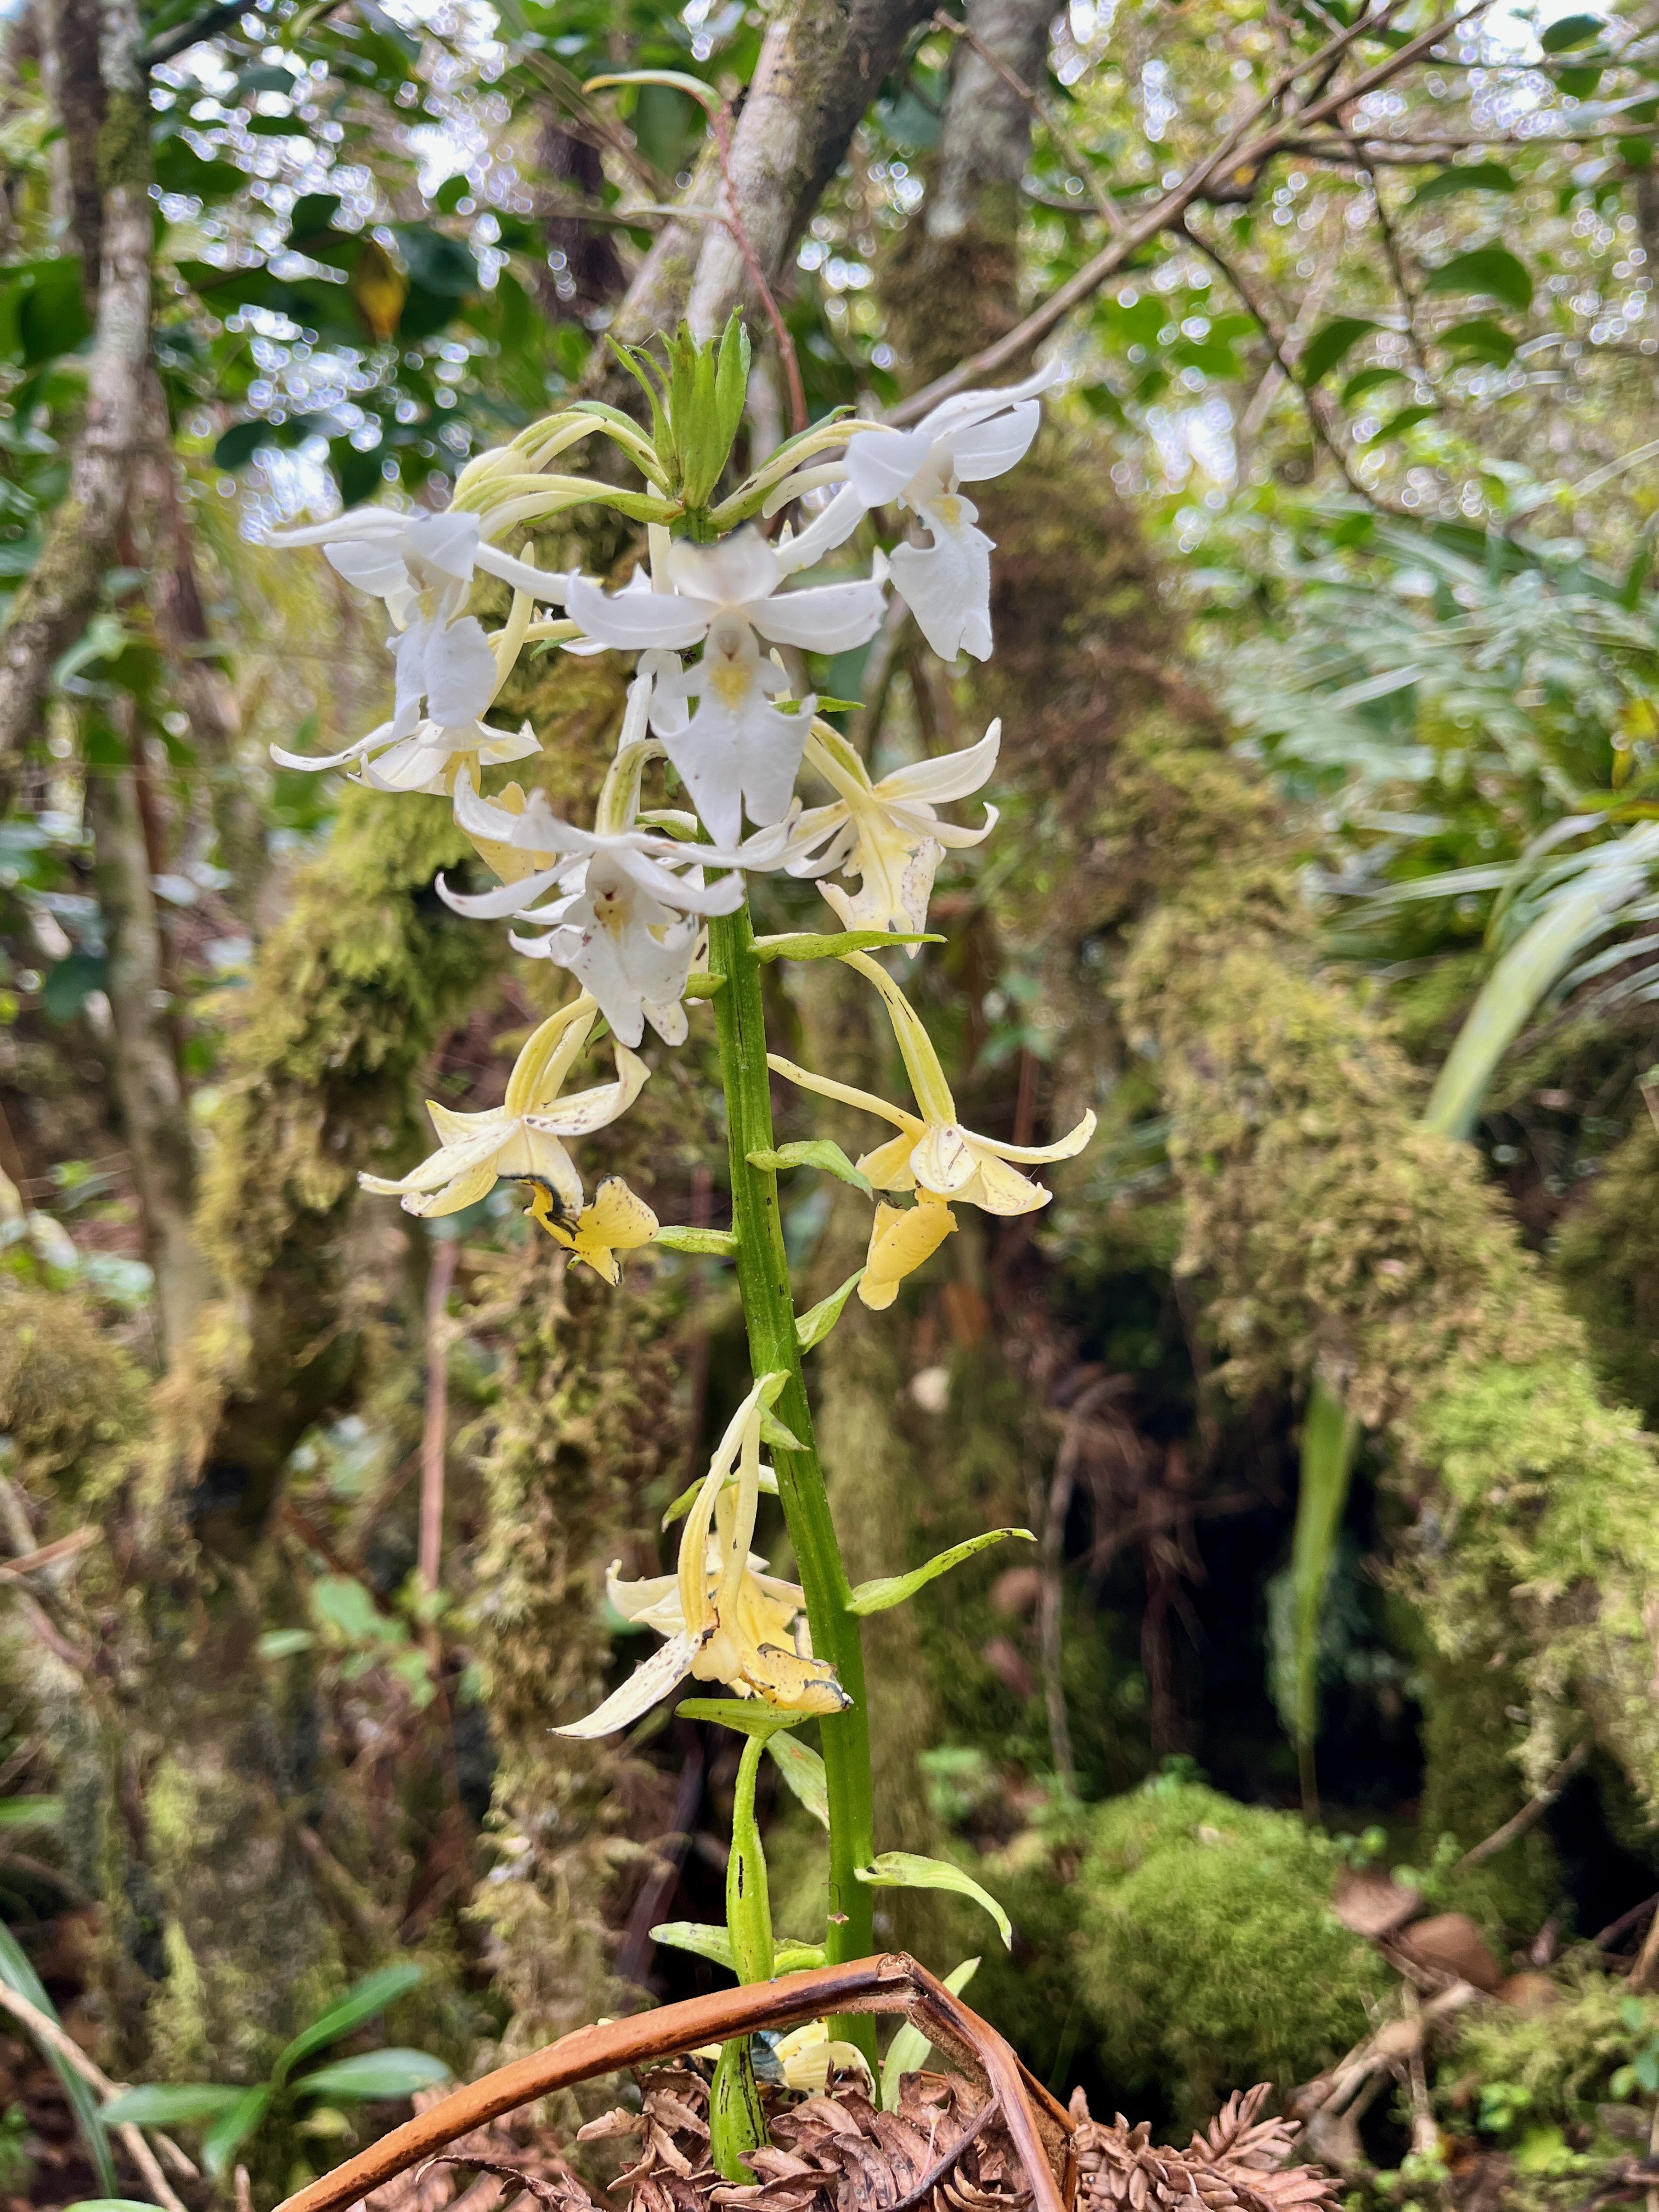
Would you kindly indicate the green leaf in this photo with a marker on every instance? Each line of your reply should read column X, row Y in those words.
column 814, row 1152
column 702, row 1939
column 908, row 2051
column 1481, row 338
column 238, row 445
column 372, row 1994
column 773, row 1432
column 71, row 981
column 311, row 215
column 718, row 1242
column 374, row 2075
column 888, row 1590
column 814, row 1325
column 436, row 263
column 1330, row 1439
column 1406, row 419
column 19, row 1976
column 1328, row 345
column 168, row 2104
column 811, row 945
column 731, row 380
column 909, row 1870
column 797, row 1958
column 284, row 1643
column 1571, row 31
column 747, row 1715
column 228, row 2134
column 1472, row 177
column 769, row 1483
column 702, row 987
column 804, row 1771
column 1513, row 991
column 1369, row 379
column 31, row 1812
column 1491, row 269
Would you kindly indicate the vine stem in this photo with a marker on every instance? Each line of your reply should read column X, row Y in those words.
column 769, row 1317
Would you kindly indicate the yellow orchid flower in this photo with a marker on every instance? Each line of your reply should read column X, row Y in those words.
column 888, row 834
column 521, row 1137
column 903, row 1236
column 725, row 1620
column 618, row 1220
column 804, row 2059
column 932, row 1155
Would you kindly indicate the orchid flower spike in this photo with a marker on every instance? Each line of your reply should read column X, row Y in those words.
column 725, row 1620
column 521, row 1140
column 934, row 1155
column 629, row 914
column 946, row 584
column 886, row 833
column 737, row 750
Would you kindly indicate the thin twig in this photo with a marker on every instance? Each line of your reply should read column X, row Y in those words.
column 1530, row 1813
column 435, row 1434
column 1233, row 152
column 1396, row 265
column 941, row 2171
column 1038, row 2127
column 1320, row 428
column 719, row 124
column 48, row 2032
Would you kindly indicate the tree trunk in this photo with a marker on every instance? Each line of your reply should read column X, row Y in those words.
column 53, row 605
column 155, row 1111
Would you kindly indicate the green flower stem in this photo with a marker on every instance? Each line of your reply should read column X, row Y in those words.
column 769, row 1313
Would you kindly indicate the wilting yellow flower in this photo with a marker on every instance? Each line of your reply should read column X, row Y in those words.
column 521, row 1138
column 725, row 1620
column 903, row 1236
column 618, row 1220
column 934, row 1155
column 803, row 2057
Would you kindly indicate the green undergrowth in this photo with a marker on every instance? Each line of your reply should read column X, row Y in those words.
column 1209, row 1956
column 1607, row 1257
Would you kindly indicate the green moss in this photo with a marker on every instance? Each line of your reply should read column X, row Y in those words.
column 72, row 1403
column 1563, row 2055
column 1608, row 1261
column 1472, row 1784
column 1210, row 1958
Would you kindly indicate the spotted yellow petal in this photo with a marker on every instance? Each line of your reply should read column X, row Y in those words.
column 903, row 1236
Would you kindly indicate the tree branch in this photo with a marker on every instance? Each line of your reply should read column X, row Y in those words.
column 1235, row 151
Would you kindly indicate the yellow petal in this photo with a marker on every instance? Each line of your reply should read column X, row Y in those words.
column 796, row 1685
column 944, row 1162
column 903, row 1236
column 889, row 1166
column 1002, row 1189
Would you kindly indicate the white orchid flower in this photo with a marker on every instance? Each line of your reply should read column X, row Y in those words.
column 737, row 750
column 401, row 557
column 442, row 658
column 725, row 1620
column 946, row 584
column 888, row 833
column 629, row 916
column 430, row 758
column 521, row 1140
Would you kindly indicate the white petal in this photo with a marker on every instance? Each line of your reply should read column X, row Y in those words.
column 382, row 736
column 990, row 449
column 969, row 407
column 947, row 587
column 361, row 522
column 829, row 617
column 512, row 898
column 523, row 575
column 631, row 621
column 746, row 754
column 741, row 567
column 827, row 530
column 373, row 564
column 592, row 956
column 644, row 1686
column 447, row 543
column 584, row 1111
column 461, row 672
column 953, row 777
column 509, row 745
column 668, row 1020
column 879, row 468
column 417, row 764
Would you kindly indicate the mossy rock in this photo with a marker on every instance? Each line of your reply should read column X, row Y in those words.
column 1210, row 1958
